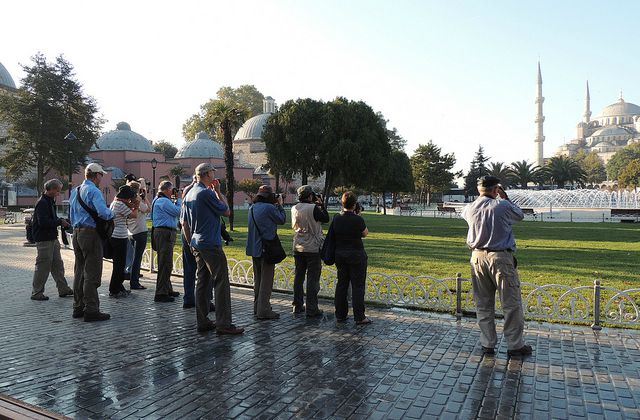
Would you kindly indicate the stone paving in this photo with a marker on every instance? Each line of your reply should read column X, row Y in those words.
column 148, row 361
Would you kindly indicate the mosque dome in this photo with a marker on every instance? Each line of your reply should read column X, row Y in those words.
column 621, row 108
column 253, row 128
column 122, row 138
column 201, row 147
column 611, row 131
column 5, row 78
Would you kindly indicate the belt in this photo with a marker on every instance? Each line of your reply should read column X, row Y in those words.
column 493, row 250
column 84, row 228
column 164, row 227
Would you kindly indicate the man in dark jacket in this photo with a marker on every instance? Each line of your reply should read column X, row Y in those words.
column 45, row 224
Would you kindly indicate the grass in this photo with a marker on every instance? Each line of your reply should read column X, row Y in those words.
column 562, row 253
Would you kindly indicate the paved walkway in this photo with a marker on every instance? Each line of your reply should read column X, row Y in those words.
column 149, row 362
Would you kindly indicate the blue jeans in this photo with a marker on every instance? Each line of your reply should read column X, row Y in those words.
column 139, row 243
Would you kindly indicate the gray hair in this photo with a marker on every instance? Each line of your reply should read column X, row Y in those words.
column 53, row 184
column 165, row 185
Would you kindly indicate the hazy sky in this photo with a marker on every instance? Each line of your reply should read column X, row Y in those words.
column 462, row 73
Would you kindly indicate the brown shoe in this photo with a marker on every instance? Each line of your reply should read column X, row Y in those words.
column 363, row 321
column 67, row 293
column 522, row 351
column 230, row 330
column 269, row 315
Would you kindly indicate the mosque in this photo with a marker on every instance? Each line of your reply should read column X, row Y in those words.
column 617, row 126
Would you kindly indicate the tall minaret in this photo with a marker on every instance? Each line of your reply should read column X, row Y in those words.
column 539, row 122
column 587, row 106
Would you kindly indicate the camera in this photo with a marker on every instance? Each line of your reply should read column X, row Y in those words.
column 143, row 193
column 174, row 192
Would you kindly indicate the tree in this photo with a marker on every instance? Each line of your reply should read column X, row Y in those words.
column 523, row 172
column 247, row 96
column 249, row 186
column 593, row 167
column 227, row 117
column 49, row 104
column 561, row 170
column 192, row 127
column 501, row 171
column 630, row 175
column 621, row 159
column 396, row 141
column 432, row 171
column 177, row 171
column 478, row 169
column 167, row 149
column 292, row 137
column 399, row 176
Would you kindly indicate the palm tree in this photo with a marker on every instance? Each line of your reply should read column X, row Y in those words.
column 562, row 170
column 226, row 117
column 523, row 172
column 499, row 170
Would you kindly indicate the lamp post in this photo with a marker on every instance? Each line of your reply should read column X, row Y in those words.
column 70, row 138
column 154, row 165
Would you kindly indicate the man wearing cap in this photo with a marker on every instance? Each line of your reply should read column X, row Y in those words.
column 164, row 219
column 493, row 265
column 203, row 206
column 45, row 224
column 307, row 218
column 87, row 245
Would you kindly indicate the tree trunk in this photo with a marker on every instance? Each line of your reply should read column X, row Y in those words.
column 277, row 182
column 327, row 186
column 304, row 176
column 228, row 161
column 39, row 177
column 384, row 203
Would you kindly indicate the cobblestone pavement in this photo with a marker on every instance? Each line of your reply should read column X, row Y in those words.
column 148, row 361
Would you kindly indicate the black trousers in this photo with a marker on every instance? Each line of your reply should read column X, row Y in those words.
column 352, row 270
column 119, row 247
column 308, row 265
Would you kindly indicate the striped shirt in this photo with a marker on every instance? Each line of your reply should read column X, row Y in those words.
column 120, row 211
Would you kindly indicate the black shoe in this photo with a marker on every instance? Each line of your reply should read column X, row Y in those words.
column 174, row 294
column 212, row 307
column 298, row 310
column 67, row 293
column 230, row 330
column 270, row 315
column 40, row 297
column 138, row 287
column 489, row 351
column 78, row 313
column 188, row 305
column 313, row 314
column 127, row 276
column 210, row 326
column 163, row 298
column 96, row 316
column 341, row 319
column 522, row 351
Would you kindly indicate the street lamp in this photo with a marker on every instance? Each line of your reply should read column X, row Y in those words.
column 154, row 165
column 70, row 138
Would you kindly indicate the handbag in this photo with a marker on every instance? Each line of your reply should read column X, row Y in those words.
column 272, row 249
column 328, row 250
column 103, row 227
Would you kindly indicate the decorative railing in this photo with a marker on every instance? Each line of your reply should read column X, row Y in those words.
column 592, row 305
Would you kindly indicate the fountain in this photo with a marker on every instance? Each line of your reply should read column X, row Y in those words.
column 575, row 199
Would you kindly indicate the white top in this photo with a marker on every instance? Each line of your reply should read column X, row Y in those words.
column 120, row 213
column 139, row 224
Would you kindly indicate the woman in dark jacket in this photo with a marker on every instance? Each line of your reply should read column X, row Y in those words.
column 351, row 259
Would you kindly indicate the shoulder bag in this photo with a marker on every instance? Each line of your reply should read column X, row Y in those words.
column 272, row 249
column 103, row 227
column 328, row 250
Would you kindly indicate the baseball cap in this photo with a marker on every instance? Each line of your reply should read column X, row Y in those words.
column 203, row 168
column 488, row 181
column 94, row 168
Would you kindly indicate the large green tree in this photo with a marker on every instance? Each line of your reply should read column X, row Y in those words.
column 562, row 170
column 227, row 117
column 432, row 170
column 293, row 137
column 523, row 172
column 167, row 149
column 399, row 175
column 621, row 159
column 593, row 167
column 630, row 175
column 501, row 171
column 49, row 104
column 478, row 169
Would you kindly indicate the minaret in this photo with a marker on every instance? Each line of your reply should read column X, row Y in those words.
column 587, row 106
column 539, row 122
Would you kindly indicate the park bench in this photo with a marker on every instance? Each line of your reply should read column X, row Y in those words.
column 626, row 215
column 530, row 212
column 444, row 210
column 407, row 210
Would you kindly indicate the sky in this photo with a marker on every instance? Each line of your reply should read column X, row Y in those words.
column 460, row 73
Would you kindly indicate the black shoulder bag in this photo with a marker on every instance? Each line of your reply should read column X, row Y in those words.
column 272, row 249
column 328, row 250
column 103, row 227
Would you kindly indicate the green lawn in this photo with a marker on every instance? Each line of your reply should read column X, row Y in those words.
column 563, row 253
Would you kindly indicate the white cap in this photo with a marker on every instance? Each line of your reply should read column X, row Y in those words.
column 94, row 168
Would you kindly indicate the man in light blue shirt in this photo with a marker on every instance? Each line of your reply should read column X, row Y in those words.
column 165, row 210
column 493, row 265
column 87, row 245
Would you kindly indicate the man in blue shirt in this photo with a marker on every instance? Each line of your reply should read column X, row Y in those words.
column 204, row 204
column 493, row 265
column 87, row 245
column 165, row 210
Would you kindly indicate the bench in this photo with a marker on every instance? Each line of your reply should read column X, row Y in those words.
column 444, row 210
column 530, row 212
column 407, row 210
column 626, row 215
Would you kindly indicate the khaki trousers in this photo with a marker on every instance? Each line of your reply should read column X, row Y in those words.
column 491, row 271
column 87, row 272
column 212, row 267
column 48, row 261
column 165, row 239
column 263, row 273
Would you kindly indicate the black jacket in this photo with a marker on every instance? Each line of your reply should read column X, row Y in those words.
column 45, row 222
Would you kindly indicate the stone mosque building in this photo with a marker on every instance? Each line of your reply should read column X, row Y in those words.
column 617, row 126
